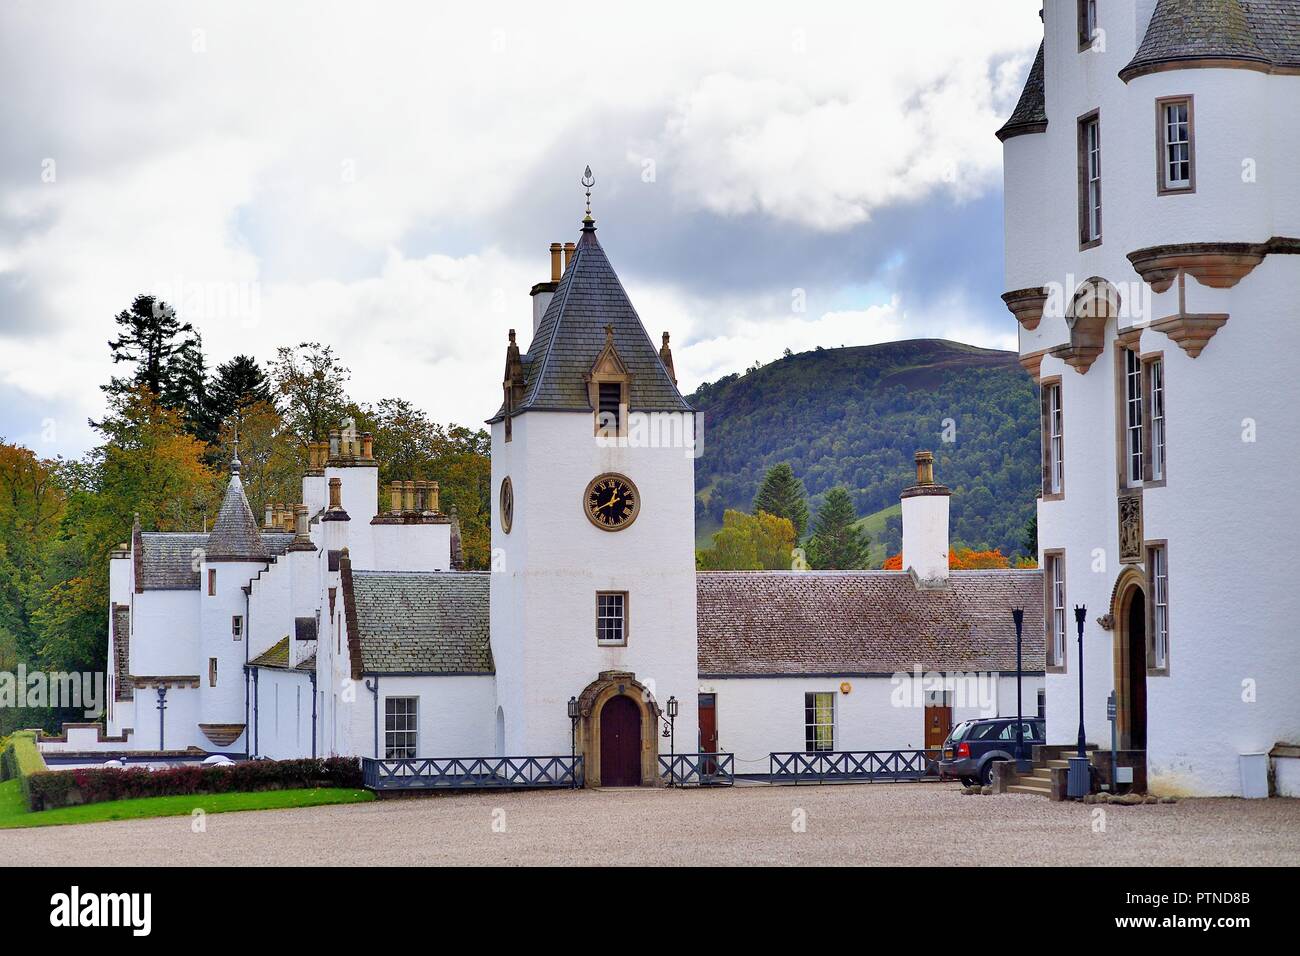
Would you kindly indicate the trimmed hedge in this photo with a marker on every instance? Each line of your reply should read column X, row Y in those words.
column 21, row 758
column 62, row 788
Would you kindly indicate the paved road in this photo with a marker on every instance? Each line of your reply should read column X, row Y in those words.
column 845, row 824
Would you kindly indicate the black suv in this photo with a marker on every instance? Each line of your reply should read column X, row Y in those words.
column 974, row 746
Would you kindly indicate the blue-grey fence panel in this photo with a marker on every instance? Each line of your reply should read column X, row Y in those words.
column 866, row 766
column 698, row 770
column 469, row 773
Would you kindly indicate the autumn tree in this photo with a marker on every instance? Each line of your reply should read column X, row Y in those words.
column 961, row 559
column 311, row 383
column 837, row 543
column 31, row 507
column 757, row 542
column 783, row 495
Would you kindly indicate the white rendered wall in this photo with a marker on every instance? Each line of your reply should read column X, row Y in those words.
column 548, row 569
column 758, row 715
column 1232, row 652
column 409, row 547
column 282, row 719
column 224, row 703
column 165, row 634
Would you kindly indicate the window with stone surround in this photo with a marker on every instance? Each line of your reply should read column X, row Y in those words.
column 1158, row 572
column 1133, row 426
column 1054, row 594
column 1089, row 145
column 611, row 617
column 1053, row 438
column 1087, row 23
column 1174, row 142
column 237, row 627
column 1154, row 382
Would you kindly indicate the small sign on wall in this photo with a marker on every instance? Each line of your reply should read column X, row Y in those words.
column 846, row 687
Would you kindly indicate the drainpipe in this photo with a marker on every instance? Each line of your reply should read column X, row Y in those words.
column 312, row 677
column 248, row 636
column 256, row 746
column 162, row 723
column 374, row 689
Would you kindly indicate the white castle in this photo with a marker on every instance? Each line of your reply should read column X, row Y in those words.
column 1152, row 232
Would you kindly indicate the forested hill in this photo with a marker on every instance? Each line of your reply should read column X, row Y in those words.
column 855, row 416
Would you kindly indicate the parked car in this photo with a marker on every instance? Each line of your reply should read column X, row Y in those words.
column 974, row 746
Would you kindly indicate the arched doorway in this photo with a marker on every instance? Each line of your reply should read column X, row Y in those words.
column 1131, row 666
column 630, row 750
column 620, row 743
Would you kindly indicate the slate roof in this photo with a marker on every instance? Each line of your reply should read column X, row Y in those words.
column 235, row 535
column 123, row 689
column 433, row 622
column 276, row 656
column 168, row 560
column 1030, row 114
column 1265, row 32
column 767, row 623
column 572, row 333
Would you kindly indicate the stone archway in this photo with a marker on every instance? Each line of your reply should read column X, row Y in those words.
column 591, row 708
column 1128, row 610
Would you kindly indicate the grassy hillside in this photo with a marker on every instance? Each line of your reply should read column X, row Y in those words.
column 855, row 416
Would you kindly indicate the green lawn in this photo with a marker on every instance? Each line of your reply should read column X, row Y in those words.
column 14, row 812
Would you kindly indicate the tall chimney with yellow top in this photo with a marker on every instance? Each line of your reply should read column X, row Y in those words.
column 925, row 525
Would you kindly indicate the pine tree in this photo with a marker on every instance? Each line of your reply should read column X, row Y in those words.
column 1029, row 543
column 236, row 385
column 783, row 495
column 837, row 544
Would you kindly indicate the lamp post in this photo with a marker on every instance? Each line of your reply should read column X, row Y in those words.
column 573, row 742
column 671, row 730
column 1022, row 764
column 1079, row 780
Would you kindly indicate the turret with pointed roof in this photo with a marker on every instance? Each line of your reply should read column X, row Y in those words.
column 572, row 334
column 235, row 536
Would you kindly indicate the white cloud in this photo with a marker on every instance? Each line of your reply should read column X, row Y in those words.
column 336, row 165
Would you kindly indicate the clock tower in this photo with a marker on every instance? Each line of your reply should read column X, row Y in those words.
column 593, row 532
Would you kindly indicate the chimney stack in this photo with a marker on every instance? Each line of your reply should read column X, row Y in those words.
column 543, row 291
column 925, row 525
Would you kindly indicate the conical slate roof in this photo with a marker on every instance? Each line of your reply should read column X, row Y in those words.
column 1261, row 32
column 572, row 334
column 1030, row 114
column 235, row 536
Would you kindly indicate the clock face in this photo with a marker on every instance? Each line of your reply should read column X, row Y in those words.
column 507, row 506
column 612, row 502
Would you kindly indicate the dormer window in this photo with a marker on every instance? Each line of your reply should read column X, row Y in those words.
column 1174, row 138
column 608, row 384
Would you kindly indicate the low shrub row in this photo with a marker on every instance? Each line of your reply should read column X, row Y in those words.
column 21, row 758
column 62, row 788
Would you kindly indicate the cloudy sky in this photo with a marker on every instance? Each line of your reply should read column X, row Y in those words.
column 387, row 177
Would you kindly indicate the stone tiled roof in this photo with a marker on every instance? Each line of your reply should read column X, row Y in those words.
column 572, row 334
column 168, row 561
column 864, row 622
column 1263, row 32
column 123, row 688
column 433, row 622
column 276, row 656
column 1030, row 114
column 235, row 535
column 276, row 542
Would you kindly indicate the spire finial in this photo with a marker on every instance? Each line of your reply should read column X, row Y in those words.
column 588, row 180
column 234, row 460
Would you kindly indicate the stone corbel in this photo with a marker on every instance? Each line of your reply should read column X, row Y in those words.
column 1219, row 265
column 1079, row 356
column 1190, row 332
column 1027, row 306
column 1033, row 364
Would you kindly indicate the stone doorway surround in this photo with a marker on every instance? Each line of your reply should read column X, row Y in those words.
column 1131, row 582
column 591, row 701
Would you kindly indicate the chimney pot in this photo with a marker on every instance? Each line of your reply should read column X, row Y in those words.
column 432, row 502
column 336, row 494
column 368, row 446
column 924, row 468
column 300, row 520
column 421, row 488
column 270, row 517
column 395, row 490
column 334, row 443
column 408, row 496
column 569, row 249
column 556, row 268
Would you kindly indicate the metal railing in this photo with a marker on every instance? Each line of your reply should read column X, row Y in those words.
column 698, row 770
column 471, row 773
column 865, row 766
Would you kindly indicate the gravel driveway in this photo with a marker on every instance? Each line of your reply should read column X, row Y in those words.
column 844, row 824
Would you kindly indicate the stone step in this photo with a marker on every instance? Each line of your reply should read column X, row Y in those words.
column 1029, row 790
column 1041, row 773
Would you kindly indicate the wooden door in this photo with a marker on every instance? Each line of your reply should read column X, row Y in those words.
column 938, row 724
column 620, row 743
column 708, row 724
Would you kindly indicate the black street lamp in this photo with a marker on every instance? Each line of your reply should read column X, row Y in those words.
column 573, row 741
column 672, row 741
column 1080, row 613
column 1079, row 778
column 1022, row 764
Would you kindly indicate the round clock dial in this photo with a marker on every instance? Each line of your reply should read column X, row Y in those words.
column 612, row 502
column 506, row 508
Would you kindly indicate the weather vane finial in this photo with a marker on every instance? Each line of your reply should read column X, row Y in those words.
column 588, row 180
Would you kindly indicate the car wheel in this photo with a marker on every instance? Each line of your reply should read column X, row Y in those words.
column 986, row 773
